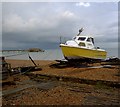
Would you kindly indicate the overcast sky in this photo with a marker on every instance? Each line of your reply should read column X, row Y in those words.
column 40, row 24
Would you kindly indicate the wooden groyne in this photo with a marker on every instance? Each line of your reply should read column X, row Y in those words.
column 74, row 80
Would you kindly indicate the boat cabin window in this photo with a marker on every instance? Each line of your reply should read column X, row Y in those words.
column 82, row 38
column 89, row 40
column 92, row 40
column 82, row 44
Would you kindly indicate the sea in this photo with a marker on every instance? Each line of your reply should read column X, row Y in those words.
column 50, row 54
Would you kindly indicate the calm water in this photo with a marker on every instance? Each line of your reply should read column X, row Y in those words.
column 55, row 54
column 47, row 55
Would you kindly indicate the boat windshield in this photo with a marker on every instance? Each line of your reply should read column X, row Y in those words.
column 90, row 40
column 82, row 38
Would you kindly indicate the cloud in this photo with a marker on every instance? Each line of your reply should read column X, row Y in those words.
column 28, row 25
column 68, row 14
column 16, row 23
column 83, row 4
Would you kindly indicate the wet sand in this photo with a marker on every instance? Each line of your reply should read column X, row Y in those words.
column 62, row 93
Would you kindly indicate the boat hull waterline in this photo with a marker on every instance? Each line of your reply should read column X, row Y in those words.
column 71, row 52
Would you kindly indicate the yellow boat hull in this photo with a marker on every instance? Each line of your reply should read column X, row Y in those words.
column 70, row 52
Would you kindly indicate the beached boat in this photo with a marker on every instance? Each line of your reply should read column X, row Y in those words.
column 82, row 47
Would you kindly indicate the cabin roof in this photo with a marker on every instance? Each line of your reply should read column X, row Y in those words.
column 85, row 36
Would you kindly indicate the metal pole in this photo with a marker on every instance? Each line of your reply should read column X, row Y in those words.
column 32, row 60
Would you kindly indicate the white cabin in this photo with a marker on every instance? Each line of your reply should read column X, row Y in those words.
column 82, row 41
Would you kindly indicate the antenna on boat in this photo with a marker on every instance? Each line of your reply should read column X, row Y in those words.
column 80, row 30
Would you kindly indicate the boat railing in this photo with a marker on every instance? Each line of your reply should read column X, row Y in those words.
column 63, row 40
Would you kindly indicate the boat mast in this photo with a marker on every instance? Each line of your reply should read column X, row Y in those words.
column 80, row 30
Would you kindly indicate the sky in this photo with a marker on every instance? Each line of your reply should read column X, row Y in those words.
column 41, row 24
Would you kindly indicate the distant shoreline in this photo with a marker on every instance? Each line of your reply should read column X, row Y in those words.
column 25, row 50
column 12, row 50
